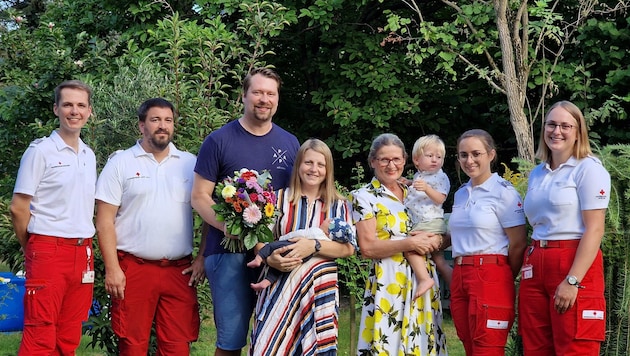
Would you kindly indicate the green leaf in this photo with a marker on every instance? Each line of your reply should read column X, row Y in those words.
column 234, row 228
column 250, row 240
column 266, row 234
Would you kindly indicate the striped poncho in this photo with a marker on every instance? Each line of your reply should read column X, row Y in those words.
column 297, row 315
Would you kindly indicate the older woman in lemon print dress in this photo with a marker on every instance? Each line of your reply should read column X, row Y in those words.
column 393, row 322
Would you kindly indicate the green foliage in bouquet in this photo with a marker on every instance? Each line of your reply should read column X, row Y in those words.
column 246, row 203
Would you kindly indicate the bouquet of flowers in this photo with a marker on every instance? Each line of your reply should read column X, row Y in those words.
column 246, row 203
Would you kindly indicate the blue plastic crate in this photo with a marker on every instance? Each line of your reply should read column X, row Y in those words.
column 11, row 302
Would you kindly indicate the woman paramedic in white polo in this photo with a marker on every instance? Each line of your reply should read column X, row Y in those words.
column 561, row 296
column 488, row 238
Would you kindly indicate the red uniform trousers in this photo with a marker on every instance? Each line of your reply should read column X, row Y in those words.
column 56, row 302
column 579, row 330
column 482, row 303
column 155, row 290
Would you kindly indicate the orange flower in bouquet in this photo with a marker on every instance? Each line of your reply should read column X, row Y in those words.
column 247, row 205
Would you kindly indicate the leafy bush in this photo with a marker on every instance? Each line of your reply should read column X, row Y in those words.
column 616, row 250
column 9, row 245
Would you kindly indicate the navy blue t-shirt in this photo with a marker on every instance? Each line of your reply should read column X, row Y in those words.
column 232, row 148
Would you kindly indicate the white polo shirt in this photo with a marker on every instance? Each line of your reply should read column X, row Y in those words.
column 480, row 215
column 556, row 198
column 154, row 219
column 62, row 183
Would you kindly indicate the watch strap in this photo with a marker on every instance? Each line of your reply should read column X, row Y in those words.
column 572, row 280
column 318, row 246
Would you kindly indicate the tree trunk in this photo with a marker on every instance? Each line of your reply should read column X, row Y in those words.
column 522, row 131
column 515, row 84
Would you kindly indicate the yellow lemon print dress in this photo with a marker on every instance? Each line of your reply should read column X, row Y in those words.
column 392, row 322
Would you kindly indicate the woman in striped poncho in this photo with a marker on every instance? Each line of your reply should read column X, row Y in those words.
column 297, row 314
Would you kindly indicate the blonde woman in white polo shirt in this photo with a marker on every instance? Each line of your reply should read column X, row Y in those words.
column 488, row 238
column 562, row 306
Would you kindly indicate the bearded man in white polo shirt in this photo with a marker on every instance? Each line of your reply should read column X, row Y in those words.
column 52, row 210
column 145, row 231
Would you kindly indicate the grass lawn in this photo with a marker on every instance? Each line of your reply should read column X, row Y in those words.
column 9, row 342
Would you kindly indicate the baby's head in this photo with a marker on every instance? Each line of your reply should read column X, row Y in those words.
column 339, row 230
column 428, row 153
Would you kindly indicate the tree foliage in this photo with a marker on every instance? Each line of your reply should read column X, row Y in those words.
column 351, row 70
column 516, row 47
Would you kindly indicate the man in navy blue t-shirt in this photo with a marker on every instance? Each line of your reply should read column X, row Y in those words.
column 253, row 142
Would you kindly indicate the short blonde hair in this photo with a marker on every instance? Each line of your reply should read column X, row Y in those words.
column 582, row 147
column 429, row 140
column 327, row 190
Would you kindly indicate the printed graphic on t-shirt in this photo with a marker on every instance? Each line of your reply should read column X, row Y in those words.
column 280, row 157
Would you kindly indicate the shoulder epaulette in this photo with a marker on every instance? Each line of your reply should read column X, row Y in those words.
column 506, row 183
column 113, row 154
column 37, row 141
column 594, row 158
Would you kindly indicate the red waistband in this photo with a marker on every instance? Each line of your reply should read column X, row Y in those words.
column 478, row 260
column 556, row 243
column 162, row 263
column 61, row 240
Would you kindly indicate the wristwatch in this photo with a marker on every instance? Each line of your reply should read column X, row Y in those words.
column 572, row 280
column 318, row 246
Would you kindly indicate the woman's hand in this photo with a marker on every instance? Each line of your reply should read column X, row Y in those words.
column 420, row 242
column 301, row 248
column 423, row 242
column 286, row 263
column 565, row 296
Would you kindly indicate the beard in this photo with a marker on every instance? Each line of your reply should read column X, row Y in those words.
column 159, row 142
column 263, row 115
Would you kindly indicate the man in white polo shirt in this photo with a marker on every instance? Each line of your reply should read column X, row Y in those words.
column 52, row 210
column 145, row 231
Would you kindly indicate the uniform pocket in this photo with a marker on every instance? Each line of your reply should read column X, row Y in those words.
column 40, row 252
column 493, row 325
column 181, row 188
column 591, row 318
column 36, row 302
column 563, row 193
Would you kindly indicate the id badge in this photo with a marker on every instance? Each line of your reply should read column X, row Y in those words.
column 88, row 277
column 528, row 271
column 88, row 273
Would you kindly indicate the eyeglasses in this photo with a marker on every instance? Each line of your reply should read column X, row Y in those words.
column 384, row 162
column 564, row 128
column 463, row 156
